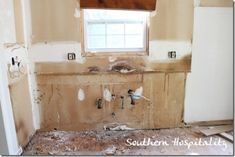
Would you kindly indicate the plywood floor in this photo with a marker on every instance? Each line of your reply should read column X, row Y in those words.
column 115, row 142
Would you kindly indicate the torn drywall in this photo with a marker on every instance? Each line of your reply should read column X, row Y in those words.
column 138, row 93
column 107, row 95
column 77, row 11
column 112, row 59
column 81, row 95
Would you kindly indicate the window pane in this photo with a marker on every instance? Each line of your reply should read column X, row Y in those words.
column 115, row 29
column 115, row 41
column 134, row 41
column 96, row 29
column 135, row 29
column 96, row 42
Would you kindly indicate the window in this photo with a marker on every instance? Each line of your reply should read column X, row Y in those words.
column 115, row 31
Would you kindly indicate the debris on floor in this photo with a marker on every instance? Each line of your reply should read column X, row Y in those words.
column 223, row 128
column 104, row 142
column 118, row 128
column 213, row 130
column 110, row 151
column 227, row 136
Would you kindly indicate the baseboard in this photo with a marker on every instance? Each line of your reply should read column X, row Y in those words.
column 211, row 123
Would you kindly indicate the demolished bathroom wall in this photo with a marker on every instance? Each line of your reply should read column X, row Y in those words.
column 171, row 28
column 59, row 78
column 61, row 109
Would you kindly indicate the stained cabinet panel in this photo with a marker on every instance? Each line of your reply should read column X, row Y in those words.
column 160, row 105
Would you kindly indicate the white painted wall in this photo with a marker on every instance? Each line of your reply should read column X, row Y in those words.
column 7, row 22
column 8, row 35
column 209, row 89
column 14, row 51
column 55, row 52
column 158, row 50
column 27, row 28
column 6, row 107
column 3, row 140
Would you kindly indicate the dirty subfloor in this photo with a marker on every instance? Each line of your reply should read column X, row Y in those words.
column 165, row 142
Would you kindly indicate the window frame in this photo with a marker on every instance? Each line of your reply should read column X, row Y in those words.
column 113, row 52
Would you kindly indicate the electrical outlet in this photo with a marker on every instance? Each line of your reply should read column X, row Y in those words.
column 71, row 56
column 172, row 54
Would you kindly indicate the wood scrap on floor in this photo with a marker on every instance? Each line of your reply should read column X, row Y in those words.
column 227, row 136
column 213, row 130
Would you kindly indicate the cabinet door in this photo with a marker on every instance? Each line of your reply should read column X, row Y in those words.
column 166, row 92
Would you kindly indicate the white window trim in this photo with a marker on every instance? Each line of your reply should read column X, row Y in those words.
column 116, row 50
